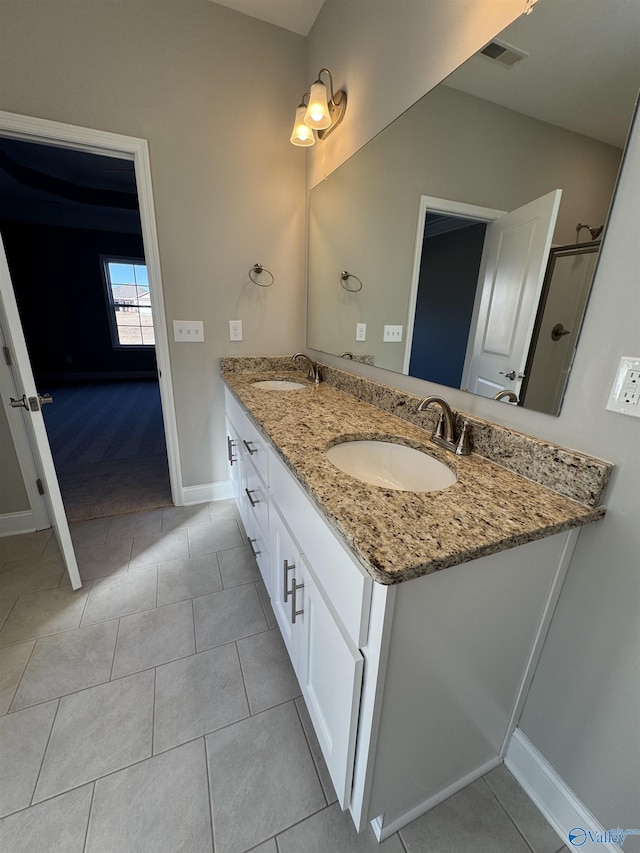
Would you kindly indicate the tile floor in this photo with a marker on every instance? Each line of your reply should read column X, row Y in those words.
column 156, row 710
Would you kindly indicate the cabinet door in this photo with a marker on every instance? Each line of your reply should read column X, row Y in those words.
column 330, row 675
column 234, row 465
column 285, row 567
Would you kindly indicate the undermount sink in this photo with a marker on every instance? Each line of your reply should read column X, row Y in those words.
column 278, row 385
column 391, row 466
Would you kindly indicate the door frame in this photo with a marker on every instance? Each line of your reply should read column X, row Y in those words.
column 43, row 131
column 449, row 208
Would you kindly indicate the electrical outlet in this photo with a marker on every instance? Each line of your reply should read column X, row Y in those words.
column 392, row 333
column 191, row 331
column 625, row 392
column 361, row 331
column 235, row 330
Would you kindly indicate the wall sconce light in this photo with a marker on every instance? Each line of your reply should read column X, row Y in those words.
column 322, row 114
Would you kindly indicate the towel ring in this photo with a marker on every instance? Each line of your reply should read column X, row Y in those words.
column 258, row 269
column 345, row 275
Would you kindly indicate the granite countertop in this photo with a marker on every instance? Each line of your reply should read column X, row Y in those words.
column 399, row 535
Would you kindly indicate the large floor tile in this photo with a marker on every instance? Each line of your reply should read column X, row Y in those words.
column 157, row 806
column 13, row 662
column 266, row 604
column 55, row 826
column 97, row 731
column 67, row 662
column 135, row 524
column 332, row 831
column 38, row 614
column 121, row 595
column 198, row 695
column 267, row 670
column 30, row 575
column 262, row 779
column 469, row 819
column 23, row 546
column 23, row 740
column 217, row 537
column 87, row 533
column 101, row 561
column 154, row 637
column 160, row 548
column 181, row 579
column 223, row 510
column 537, row 832
column 174, row 517
column 6, row 606
column 316, row 752
column 238, row 566
column 226, row 616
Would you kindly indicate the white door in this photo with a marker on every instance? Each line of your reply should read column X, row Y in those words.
column 28, row 408
column 512, row 272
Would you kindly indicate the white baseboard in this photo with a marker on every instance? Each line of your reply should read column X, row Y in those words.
column 383, row 831
column 12, row 523
column 220, row 491
column 557, row 802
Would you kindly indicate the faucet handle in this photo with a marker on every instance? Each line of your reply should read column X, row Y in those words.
column 463, row 447
column 439, row 430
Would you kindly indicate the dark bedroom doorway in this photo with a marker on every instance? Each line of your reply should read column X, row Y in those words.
column 63, row 215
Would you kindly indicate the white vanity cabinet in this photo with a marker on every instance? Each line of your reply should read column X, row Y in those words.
column 413, row 689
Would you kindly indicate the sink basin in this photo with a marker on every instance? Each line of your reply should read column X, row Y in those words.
column 391, row 466
column 278, row 385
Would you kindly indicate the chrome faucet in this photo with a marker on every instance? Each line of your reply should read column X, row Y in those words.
column 506, row 395
column 314, row 374
column 444, row 434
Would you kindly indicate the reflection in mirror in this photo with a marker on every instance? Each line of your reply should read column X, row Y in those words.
column 462, row 217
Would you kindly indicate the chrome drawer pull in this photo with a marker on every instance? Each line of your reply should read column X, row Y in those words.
column 230, row 445
column 253, row 501
column 254, row 551
column 294, row 612
column 251, row 450
column 287, row 566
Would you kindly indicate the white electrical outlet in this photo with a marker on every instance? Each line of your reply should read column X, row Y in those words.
column 625, row 391
column 361, row 331
column 392, row 333
column 235, row 330
column 191, row 331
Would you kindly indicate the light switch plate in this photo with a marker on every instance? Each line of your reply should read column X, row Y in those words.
column 625, row 391
column 361, row 331
column 191, row 331
column 392, row 333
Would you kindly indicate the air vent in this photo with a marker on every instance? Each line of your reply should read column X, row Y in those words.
column 505, row 54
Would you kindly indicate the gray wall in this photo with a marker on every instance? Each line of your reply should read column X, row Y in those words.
column 213, row 91
column 583, row 709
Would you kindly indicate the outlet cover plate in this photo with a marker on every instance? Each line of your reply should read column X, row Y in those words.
column 361, row 331
column 189, row 331
column 625, row 391
column 235, row 330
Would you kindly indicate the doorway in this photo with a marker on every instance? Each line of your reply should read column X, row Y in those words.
column 148, row 381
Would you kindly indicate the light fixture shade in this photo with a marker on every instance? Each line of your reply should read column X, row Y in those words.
column 301, row 134
column 317, row 115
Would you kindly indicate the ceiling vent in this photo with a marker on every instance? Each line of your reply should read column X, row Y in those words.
column 504, row 54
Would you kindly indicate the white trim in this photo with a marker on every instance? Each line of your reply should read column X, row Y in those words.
column 12, row 523
column 384, row 831
column 541, row 633
column 126, row 148
column 551, row 794
column 450, row 208
column 220, row 491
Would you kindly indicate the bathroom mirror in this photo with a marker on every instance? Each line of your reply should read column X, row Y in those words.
column 449, row 241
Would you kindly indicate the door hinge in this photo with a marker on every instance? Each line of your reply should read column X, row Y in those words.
column 40, row 486
column 7, row 356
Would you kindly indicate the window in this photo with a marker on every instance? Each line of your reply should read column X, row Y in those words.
column 129, row 302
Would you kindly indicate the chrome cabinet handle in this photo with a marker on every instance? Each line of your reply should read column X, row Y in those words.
column 253, row 501
column 286, row 567
column 254, row 551
column 294, row 612
column 251, row 450
column 230, row 445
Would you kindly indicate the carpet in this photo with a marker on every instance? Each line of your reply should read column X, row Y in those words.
column 108, row 445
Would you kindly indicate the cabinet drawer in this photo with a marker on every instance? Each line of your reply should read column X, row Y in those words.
column 252, row 444
column 256, row 495
column 259, row 544
column 345, row 584
column 235, row 413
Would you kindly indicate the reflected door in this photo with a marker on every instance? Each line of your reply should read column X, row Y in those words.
column 514, row 260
